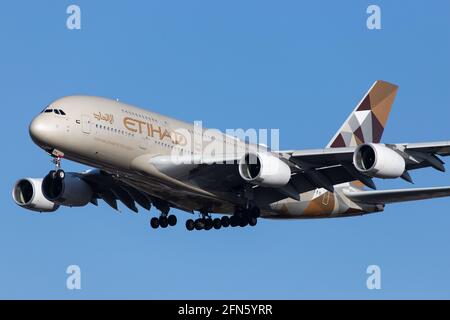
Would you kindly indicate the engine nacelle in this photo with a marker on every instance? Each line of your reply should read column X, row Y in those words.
column 69, row 191
column 27, row 193
column 377, row 160
column 264, row 169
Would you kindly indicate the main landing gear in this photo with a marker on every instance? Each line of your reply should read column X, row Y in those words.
column 165, row 220
column 241, row 218
column 206, row 222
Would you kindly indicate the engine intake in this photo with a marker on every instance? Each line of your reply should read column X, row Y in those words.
column 377, row 160
column 69, row 190
column 264, row 169
column 27, row 193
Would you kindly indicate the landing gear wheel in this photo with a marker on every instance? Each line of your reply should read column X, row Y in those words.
column 172, row 220
column 208, row 224
column 190, row 224
column 60, row 174
column 243, row 222
column 252, row 221
column 225, row 221
column 198, row 224
column 154, row 222
column 234, row 221
column 217, row 223
column 255, row 212
column 163, row 222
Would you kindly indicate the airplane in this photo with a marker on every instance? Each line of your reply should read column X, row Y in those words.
column 145, row 158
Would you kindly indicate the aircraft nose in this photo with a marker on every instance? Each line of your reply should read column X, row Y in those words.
column 39, row 130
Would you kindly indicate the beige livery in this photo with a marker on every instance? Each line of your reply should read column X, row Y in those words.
column 145, row 158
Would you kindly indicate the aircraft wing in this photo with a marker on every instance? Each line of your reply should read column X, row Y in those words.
column 333, row 156
column 311, row 169
column 220, row 175
column 397, row 195
column 214, row 180
column 416, row 155
column 106, row 187
column 132, row 192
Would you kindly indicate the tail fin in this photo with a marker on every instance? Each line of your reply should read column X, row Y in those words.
column 367, row 122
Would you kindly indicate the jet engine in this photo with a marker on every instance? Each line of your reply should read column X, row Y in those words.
column 377, row 160
column 264, row 169
column 67, row 189
column 27, row 193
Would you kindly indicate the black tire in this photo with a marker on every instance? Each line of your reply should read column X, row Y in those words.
column 190, row 224
column 217, row 223
column 208, row 224
column 255, row 212
column 243, row 222
column 154, row 223
column 163, row 222
column 198, row 224
column 172, row 220
column 52, row 173
column 252, row 221
column 225, row 221
column 234, row 221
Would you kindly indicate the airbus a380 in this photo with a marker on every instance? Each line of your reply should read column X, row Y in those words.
column 141, row 157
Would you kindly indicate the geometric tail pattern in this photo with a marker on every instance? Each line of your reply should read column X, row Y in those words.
column 367, row 122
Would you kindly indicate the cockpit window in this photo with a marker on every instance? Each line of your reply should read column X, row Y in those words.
column 57, row 111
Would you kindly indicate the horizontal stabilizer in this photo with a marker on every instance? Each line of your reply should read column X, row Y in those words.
column 397, row 195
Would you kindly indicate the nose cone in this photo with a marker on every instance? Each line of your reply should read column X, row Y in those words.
column 40, row 131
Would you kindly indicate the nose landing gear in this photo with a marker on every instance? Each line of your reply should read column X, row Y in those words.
column 58, row 172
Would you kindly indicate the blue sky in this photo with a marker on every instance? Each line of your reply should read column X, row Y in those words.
column 297, row 66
